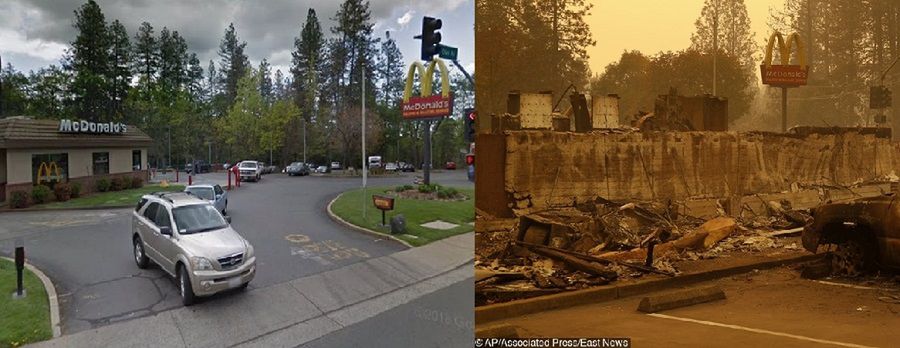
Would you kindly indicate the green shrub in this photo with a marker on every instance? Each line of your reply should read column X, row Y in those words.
column 63, row 191
column 103, row 185
column 430, row 188
column 18, row 199
column 40, row 194
column 126, row 182
column 137, row 182
column 447, row 193
column 118, row 184
column 402, row 188
column 76, row 189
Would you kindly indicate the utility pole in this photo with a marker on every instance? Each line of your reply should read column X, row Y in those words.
column 363, row 131
column 304, row 139
column 169, row 138
column 715, row 45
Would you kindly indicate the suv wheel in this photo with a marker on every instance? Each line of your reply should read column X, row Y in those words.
column 851, row 258
column 140, row 258
column 184, row 287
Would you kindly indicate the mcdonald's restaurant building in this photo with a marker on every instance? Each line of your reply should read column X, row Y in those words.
column 49, row 151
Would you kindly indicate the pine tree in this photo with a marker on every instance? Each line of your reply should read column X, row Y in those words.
column 146, row 55
column 234, row 63
column 391, row 72
column 88, row 60
column 119, row 74
column 173, row 59
column 212, row 81
column 195, row 77
column 307, row 65
column 731, row 24
column 354, row 51
column 265, row 81
column 278, row 85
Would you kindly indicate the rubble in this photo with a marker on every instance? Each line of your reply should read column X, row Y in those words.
column 602, row 241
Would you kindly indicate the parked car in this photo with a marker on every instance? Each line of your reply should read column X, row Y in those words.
column 407, row 167
column 272, row 169
column 450, row 165
column 390, row 167
column 374, row 162
column 190, row 240
column 862, row 233
column 335, row 165
column 250, row 170
column 212, row 193
column 323, row 169
column 297, row 168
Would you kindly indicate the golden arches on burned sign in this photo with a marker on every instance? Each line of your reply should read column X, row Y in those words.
column 784, row 49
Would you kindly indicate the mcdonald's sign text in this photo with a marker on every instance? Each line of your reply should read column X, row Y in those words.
column 427, row 107
column 784, row 74
column 791, row 75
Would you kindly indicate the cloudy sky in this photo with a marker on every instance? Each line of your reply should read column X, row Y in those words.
column 35, row 33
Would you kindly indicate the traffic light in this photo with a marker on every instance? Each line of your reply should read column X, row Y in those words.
column 879, row 97
column 431, row 38
column 470, row 125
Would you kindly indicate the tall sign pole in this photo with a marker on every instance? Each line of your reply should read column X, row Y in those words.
column 427, row 107
column 715, row 45
column 784, row 75
column 363, row 131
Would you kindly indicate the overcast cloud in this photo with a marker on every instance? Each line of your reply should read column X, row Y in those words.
column 35, row 33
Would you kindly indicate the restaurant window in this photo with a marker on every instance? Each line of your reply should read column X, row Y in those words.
column 101, row 163
column 49, row 169
column 136, row 160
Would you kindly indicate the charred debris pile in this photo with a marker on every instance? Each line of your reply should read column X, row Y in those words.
column 603, row 241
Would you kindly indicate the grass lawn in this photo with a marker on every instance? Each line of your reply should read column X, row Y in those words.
column 114, row 198
column 24, row 320
column 349, row 207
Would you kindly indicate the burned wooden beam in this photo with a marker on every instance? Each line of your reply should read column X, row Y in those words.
column 596, row 259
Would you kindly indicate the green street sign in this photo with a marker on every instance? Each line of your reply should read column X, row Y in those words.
column 448, row 52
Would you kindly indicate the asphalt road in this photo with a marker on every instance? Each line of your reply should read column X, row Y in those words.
column 443, row 318
column 88, row 254
column 774, row 308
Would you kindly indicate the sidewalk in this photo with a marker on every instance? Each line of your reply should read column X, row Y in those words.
column 295, row 312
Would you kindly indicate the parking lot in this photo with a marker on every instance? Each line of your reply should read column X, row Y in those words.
column 88, row 254
column 773, row 308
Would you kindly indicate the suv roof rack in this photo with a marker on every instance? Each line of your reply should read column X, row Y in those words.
column 165, row 194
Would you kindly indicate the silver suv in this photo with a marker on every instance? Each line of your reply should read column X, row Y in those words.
column 189, row 239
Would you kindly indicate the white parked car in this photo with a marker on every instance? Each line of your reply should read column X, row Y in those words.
column 250, row 170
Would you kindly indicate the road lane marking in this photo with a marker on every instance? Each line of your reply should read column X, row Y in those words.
column 852, row 286
column 750, row 329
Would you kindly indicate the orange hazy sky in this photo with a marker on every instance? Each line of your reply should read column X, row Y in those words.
column 651, row 26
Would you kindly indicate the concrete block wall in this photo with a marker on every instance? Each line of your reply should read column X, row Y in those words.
column 545, row 168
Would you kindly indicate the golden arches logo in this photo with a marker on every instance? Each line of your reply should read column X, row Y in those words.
column 45, row 170
column 427, row 75
column 784, row 50
column 426, row 105
column 785, row 74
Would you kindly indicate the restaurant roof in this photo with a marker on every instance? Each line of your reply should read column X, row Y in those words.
column 22, row 132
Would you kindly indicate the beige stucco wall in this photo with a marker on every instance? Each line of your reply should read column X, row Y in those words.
column 18, row 162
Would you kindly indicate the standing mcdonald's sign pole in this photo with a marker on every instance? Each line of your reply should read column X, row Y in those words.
column 784, row 75
column 427, row 107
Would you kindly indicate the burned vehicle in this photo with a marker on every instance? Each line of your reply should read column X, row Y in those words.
column 863, row 234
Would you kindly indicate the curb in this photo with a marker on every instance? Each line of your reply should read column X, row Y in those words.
column 51, row 297
column 338, row 219
column 22, row 210
column 494, row 312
